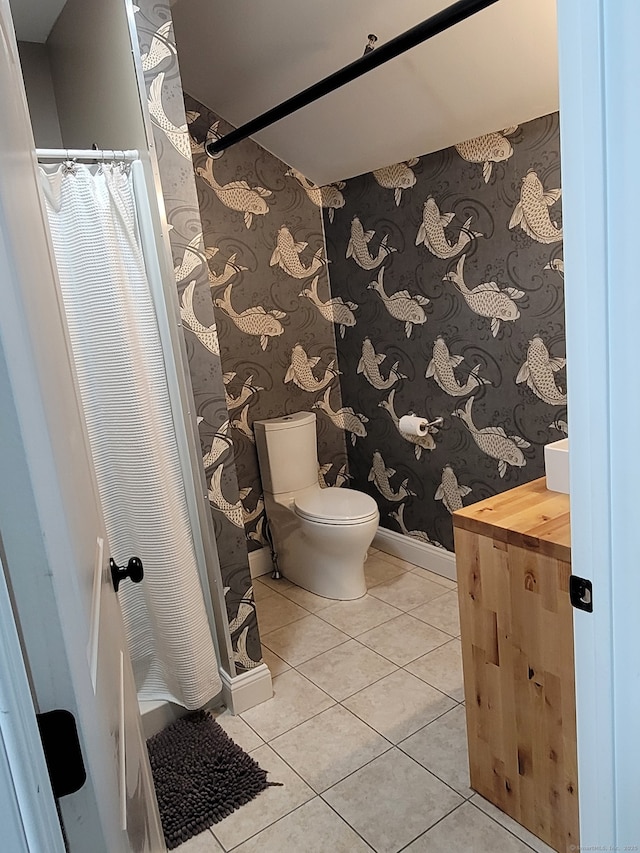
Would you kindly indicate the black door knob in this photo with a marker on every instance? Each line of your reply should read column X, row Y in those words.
column 134, row 570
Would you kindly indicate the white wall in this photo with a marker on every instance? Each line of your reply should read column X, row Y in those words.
column 94, row 76
column 36, row 72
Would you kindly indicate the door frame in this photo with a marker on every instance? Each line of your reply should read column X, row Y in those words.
column 45, row 461
column 600, row 120
column 27, row 807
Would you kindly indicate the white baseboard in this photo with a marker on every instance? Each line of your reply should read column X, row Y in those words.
column 158, row 714
column 247, row 689
column 260, row 562
column 436, row 560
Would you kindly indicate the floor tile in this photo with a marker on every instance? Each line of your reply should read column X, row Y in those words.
column 268, row 806
column 314, row 828
column 203, row 843
column 432, row 576
column 261, row 590
column 345, row 670
column 355, row 617
column 277, row 585
column 276, row 611
column 510, row 824
column 407, row 591
column 377, row 570
column 405, row 565
column 303, row 639
column 442, row 613
column 391, row 801
column 442, row 668
column 403, row 639
column 309, row 600
column 329, row 746
column 239, row 731
column 398, row 705
column 467, row 830
column 295, row 700
column 441, row 747
column 276, row 665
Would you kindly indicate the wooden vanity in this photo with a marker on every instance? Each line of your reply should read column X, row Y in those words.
column 514, row 561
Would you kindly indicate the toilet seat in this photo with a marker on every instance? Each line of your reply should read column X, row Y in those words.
column 336, row 506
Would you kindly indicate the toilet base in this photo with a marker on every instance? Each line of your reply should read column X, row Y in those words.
column 327, row 579
column 325, row 559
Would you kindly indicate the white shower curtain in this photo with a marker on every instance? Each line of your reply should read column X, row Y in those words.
column 120, row 366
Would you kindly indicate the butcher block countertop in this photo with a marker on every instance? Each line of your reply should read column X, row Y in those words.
column 529, row 516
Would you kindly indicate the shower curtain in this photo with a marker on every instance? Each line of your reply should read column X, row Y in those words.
column 119, row 362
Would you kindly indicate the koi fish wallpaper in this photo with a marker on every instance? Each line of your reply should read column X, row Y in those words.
column 276, row 318
column 454, row 260
column 432, row 287
column 193, row 282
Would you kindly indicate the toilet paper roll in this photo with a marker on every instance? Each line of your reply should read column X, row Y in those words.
column 413, row 425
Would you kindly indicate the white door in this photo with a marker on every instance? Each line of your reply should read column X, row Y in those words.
column 600, row 125
column 51, row 526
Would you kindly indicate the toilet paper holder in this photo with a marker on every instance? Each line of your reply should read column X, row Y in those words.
column 415, row 425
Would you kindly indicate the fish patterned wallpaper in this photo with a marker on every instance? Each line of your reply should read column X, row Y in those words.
column 277, row 321
column 171, row 138
column 455, row 263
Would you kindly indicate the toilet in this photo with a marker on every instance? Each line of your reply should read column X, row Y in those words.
column 321, row 536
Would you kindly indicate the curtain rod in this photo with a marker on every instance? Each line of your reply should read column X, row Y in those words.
column 434, row 25
column 86, row 154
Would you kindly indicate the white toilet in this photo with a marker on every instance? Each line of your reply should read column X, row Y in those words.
column 321, row 536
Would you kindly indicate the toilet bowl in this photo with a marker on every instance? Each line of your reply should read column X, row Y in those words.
column 321, row 536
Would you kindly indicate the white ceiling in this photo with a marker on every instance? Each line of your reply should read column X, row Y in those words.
column 33, row 19
column 241, row 57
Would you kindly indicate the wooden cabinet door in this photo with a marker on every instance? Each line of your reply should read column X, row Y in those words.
column 517, row 646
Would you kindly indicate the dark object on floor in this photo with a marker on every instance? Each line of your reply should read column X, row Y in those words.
column 200, row 776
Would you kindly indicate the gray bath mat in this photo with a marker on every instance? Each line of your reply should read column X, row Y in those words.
column 200, row 776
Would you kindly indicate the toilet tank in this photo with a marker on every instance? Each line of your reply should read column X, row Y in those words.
column 287, row 452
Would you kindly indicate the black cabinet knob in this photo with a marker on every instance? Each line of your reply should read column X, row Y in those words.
column 134, row 570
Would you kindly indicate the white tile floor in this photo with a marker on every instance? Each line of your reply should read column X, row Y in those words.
column 366, row 728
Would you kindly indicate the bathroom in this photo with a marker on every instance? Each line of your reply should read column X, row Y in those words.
column 489, row 352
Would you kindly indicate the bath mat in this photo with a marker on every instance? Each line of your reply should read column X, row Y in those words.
column 200, row 776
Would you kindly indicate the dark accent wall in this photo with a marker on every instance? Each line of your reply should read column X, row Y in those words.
column 466, row 321
column 171, row 139
column 263, row 237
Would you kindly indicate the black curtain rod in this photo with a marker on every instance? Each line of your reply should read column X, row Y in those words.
column 434, row 25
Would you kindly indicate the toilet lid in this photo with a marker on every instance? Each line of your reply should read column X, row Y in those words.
column 336, row 506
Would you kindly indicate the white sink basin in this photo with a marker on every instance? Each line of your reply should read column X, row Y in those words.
column 556, row 465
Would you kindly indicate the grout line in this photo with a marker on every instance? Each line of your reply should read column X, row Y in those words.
column 339, row 781
column 344, row 820
column 294, row 666
column 316, row 714
column 391, row 558
column 340, row 703
column 360, row 689
column 440, row 819
column 506, row 829
column 391, row 745
column 268, row 826
column 465, row 797
column 426, row 725
column 395, row 663
column 356, row 637
column 384, row 622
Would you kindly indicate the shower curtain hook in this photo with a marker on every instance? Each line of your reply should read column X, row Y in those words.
column 69, row 164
